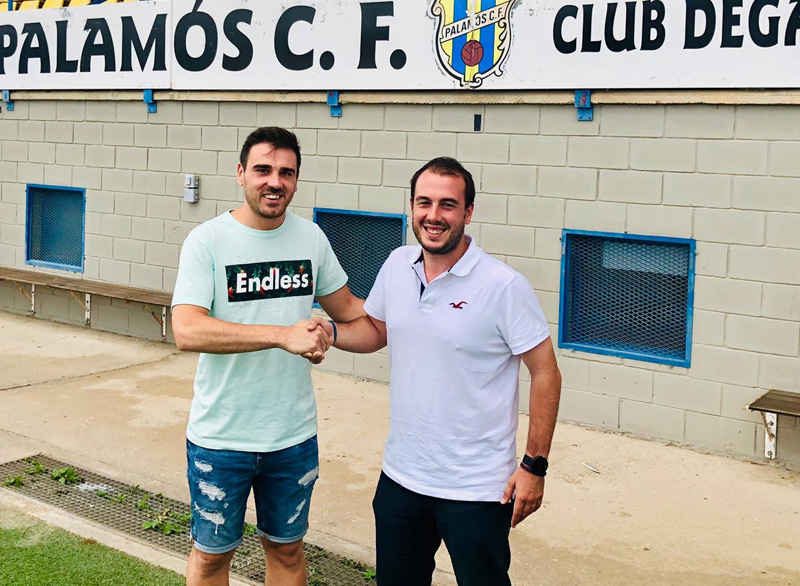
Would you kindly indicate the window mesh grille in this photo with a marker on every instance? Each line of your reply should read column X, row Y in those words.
column 627, row 295
column 55, row 227
column 362, row 242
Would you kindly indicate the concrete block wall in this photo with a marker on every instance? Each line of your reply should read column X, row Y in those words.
column 728, row 176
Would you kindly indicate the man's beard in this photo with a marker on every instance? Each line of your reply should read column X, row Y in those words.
column 445, row 247
column 254, row 199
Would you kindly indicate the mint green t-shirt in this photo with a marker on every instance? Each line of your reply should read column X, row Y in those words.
column 255, row 401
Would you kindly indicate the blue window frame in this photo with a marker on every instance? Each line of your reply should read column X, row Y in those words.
column 55, row 227
column 626, row 295
column 362, row 242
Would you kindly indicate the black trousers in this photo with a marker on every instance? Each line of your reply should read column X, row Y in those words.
column 410, row 528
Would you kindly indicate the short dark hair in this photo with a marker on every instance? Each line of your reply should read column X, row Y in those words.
column 447, row 166
column 280, row 138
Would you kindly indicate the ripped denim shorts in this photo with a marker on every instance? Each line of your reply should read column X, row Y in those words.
column 220, row 483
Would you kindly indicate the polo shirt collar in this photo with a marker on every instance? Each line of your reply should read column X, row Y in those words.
column 415, row 255
column 464, row 265
column 467, row 262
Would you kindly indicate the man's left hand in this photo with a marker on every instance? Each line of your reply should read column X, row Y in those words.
column 529, row 491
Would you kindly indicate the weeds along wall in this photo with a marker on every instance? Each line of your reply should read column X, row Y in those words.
column 727, row 176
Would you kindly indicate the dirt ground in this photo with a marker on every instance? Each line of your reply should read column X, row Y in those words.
column 652, row 514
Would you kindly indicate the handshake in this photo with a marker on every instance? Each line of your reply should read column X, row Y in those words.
column 309, row 339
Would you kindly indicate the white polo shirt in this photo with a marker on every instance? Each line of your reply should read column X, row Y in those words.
column 454, row 347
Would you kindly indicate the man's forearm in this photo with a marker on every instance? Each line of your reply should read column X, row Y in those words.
column 544, row 397
column 350, row 311
column 360, row 336
column 215, row 336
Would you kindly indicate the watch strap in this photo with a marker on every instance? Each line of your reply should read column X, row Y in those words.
column 534, row 465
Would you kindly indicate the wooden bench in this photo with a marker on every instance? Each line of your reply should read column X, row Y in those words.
column 770, row 405
column 147, row 297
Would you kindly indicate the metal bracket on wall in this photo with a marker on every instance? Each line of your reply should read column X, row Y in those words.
column 31, row 297
column 9, row 103
column 770, row 435
column 162, row 321
column 86, row 305
column 152, row 107
column 583, row 102
column 333, row 102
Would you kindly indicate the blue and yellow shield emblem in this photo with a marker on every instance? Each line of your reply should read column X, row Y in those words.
column 472, row 37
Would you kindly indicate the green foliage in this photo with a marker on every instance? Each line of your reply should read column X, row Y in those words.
column 249, row 529
column 101, row 493
column 143, row 505
column 316, row 553
column 66, row 476
column 14, row 481
column 163, row 525
column 120, row 498
column 36, row 467
column 183, row 519
column 348, row 563
column 369, row 575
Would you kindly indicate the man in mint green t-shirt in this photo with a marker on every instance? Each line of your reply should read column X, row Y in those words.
column 246, row 283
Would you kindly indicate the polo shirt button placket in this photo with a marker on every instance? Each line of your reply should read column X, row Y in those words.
column 428, row 297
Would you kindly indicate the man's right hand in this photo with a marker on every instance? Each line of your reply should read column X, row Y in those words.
column 298, row 339
column 323, row 323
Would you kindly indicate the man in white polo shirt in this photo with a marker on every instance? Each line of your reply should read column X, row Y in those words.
column 457, row 322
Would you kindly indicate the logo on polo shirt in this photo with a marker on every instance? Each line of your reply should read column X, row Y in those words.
column 269, row 280
column 459, row 305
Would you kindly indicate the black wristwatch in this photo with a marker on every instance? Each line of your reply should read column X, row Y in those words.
column 536, row 466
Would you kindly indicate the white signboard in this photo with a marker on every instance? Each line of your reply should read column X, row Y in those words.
column 404, row 45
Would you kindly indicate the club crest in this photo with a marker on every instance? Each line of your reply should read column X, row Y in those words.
column 472, row 38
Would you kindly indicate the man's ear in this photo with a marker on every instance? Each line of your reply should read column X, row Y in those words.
column 240, row 175
column 470, row 209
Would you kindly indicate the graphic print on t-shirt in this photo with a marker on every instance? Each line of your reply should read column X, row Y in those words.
column 269, row 280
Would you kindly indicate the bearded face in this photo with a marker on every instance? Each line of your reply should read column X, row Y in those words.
column 269, row 182
column 439, row 212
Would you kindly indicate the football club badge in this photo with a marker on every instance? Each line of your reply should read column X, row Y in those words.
column 472, row 38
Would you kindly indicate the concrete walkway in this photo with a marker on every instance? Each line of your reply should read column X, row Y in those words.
column 654, row 514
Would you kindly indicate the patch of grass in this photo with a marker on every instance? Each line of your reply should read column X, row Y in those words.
column 370, row 575
column 249, row 529
column 42, row 556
